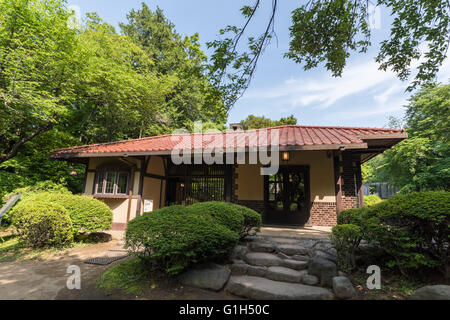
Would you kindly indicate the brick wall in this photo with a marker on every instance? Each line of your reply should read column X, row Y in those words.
column 323, row 214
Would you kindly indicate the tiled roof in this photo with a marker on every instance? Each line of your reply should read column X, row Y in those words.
column 293, row 137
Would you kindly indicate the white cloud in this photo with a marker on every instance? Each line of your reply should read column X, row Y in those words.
column 323, row 91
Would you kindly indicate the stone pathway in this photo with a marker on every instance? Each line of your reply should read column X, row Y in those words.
column 271, row 266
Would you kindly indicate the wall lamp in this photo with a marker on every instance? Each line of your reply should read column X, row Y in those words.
column 286, row 156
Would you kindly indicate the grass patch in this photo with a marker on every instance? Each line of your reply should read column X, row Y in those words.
column 129, row 276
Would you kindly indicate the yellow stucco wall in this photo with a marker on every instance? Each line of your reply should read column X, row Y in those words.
column 251, row 184
column 152, row 186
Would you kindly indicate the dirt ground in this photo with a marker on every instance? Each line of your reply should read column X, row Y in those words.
column 46, row 280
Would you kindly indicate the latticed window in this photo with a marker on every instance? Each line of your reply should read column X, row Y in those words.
column 196, row 183
column 111, row 182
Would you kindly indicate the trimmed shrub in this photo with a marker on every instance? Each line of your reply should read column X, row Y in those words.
column 346, row 239
column 413, row 229
column 225, row 213
column 173, row 239
column 87, row 214
column 370, row 201
column 351, row 216
column 43, row 224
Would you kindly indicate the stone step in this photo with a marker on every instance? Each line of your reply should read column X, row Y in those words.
column 292, row 249
column 285, row 274
column 262, row 247
column 294, row 264
column 265, row 289
column 262, row 259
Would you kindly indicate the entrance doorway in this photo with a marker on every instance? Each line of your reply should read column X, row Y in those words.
column 287, row 196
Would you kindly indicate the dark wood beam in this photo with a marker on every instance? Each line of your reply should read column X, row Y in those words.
column 338, row 183
column 154, row 176
column 144, row 165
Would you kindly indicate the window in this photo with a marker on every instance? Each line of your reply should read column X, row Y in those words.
column 111, row 182
column 196, row 183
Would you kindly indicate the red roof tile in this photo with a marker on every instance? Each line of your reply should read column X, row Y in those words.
column 293, row 137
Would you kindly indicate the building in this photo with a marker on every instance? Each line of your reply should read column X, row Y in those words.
column 318, row 171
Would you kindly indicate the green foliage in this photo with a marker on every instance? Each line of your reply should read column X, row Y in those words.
column 327, row 32
column 30, row 190
column 372, row 200
column 43, row 224
column 180, row 59
column 130, row 276
column 415, row 228
column 254, row 122
column 61, row 86
column 33, row 162
column 172, row 240
column 411, row 229
column 37, row 70
column 224, row 213
column 237, row 218
column 346, row 239
column 422, row 162
column 351, row 216
column 87, row 214
column 8, row 182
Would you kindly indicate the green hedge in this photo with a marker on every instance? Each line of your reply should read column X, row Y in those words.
column 41, row 224
column 87, row 214
column 227, row 214
column 173, row 239
column 237, row 218
column 413, row 230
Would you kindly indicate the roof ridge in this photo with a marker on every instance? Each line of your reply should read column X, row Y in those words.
column 336, row 127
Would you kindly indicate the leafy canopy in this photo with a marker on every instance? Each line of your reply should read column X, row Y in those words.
column 421, row 162
column 255, row 122
column 327, row 32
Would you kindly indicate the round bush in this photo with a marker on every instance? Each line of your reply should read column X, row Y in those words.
column 370, row 201
column 413, row 229
column 171, row 240
column 87, row 214
column 43, row 224
column 225, row 213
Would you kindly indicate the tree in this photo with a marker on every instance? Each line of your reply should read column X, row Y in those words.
column 117, row 92
column 254, row 122
column 328, row 31
column 36, row 70
column 180, row 58
column 421, row 162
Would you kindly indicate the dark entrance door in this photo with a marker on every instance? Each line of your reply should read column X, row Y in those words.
column 287, row 197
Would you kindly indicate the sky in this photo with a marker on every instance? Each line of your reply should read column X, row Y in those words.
column 362, row 97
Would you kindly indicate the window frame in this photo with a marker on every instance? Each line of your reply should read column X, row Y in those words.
column 104, row 173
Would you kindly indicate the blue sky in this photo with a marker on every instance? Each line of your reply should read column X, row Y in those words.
column 364, row 96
